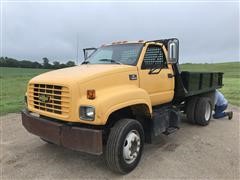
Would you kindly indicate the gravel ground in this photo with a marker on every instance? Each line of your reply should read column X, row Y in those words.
column 193, row 152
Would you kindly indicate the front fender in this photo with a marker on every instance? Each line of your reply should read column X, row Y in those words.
column 116, row 98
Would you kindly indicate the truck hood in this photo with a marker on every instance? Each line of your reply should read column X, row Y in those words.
column 80, row 73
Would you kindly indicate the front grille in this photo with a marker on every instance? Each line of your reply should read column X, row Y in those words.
column 49, row 98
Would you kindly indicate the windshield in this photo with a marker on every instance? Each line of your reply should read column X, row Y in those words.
column 116, row 54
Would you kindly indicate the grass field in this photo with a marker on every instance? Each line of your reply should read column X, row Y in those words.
column 13, row 87
column 14, row 81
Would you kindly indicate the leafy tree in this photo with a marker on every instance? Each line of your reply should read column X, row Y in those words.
column 2, row 62
column 36, row 65
column 70, row 63
column 56, row 65
column 63, row 66
column 25, row 64
column 11, row 62
column 46, row 64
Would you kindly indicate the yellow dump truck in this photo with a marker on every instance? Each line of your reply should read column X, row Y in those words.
column 123, row 95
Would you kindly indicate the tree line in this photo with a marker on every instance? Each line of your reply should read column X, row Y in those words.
column 10, row 62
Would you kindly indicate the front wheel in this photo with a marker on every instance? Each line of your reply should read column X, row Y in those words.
column 124, row 146
column 190, row 109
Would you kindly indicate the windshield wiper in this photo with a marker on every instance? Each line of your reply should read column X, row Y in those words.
column 111, row 60
column 85, row 62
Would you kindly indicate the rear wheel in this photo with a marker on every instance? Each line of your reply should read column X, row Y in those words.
column 190, row 110
column 124, row 146
column 203, row 111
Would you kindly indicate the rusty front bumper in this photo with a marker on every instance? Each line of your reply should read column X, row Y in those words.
column 72, row 137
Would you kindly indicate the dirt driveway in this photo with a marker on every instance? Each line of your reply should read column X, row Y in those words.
column 193, row 152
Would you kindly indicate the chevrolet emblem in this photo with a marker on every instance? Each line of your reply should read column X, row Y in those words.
column 44, row 98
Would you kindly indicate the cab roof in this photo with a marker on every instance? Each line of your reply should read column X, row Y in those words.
column 163, row 41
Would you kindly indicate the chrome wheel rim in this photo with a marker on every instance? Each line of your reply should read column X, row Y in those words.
column 208, row 112
column 131, row 146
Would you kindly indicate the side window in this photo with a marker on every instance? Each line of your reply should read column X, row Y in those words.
column 154, row 58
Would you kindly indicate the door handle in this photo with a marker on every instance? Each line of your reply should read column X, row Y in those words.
column 170, row 75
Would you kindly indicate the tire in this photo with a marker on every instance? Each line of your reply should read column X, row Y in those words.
column 203, row 111
column 123, row 132
column 190, row 110
column 46, row 141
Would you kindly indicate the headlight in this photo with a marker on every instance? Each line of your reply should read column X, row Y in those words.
column 87, row 113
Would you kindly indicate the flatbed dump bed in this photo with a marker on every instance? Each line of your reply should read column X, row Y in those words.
column 201, row 82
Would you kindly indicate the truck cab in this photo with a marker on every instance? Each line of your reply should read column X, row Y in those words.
column 123, row 95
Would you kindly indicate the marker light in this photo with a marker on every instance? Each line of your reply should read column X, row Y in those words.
column 91, row 94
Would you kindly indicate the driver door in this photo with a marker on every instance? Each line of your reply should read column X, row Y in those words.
column 156, row 75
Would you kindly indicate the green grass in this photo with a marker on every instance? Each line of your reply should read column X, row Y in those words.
column 231, row 77
column 14, row 82
column 13, row 87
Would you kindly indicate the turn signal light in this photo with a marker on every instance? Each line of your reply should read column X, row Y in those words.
column 91, row 94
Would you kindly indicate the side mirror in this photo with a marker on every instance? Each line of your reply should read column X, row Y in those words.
column 88, row 52
column 173, row 51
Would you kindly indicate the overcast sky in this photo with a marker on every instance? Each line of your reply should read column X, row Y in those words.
column 208, row 32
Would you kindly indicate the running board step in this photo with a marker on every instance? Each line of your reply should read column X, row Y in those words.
column 170, row 130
